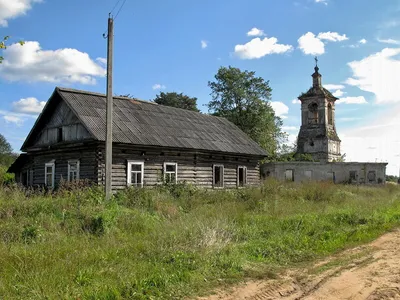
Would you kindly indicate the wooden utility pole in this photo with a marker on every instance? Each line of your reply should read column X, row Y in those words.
column 109, row 138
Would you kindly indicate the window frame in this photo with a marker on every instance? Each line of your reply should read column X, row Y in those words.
column 244, row 177
column 53, row 171
column 129, row 172
column 292, row 177
column 223, row 176
column 165, row 171
column 78, row 169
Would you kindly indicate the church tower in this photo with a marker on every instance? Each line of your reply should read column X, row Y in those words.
column 317, row 135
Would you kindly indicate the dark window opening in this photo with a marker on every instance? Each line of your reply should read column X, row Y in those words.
column 371, row 176
column 353, row 175
column 242, row 176
column 313, row 113
column 218, row 180
column 330, row 114
column 59, row 134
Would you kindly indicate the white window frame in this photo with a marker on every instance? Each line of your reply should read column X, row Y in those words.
column 223, row 176
column 245, row 176
column 176, row 170
column 129, row 172
column 53, row 177
column 78, row 169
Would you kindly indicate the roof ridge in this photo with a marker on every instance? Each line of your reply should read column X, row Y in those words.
column 69, row 90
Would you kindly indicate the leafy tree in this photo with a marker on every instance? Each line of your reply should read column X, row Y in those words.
column 244, row 99
column 177, row 100
column 3, row 45
column 6, row 155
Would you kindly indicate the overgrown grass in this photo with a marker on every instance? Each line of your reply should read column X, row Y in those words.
column 176, row 241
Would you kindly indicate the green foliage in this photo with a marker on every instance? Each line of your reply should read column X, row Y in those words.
column 392, row 178
column 243, row 99
column 173, row 242
column 177, row 100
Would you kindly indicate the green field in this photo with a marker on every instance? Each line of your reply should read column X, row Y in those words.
column 177, row 241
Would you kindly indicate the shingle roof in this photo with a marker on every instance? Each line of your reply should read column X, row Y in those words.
column 145, row 123
column 317, row 92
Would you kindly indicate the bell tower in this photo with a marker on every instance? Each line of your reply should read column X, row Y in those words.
column 317, row 135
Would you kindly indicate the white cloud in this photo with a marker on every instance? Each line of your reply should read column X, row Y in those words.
column 296, row 101
column 377, row 139
column 29, row 105
column 352, row 100
column 310, row 44
column 334, row 86
column 362, row 41
column 204, row 44
column 102, row 60
column 322, row 1
column 389, row 41
column 332, row 36
column 258, row 48
column 31, row 63
column 379, row 74
column 158, row 86
column 338, row 93
column 13, row 119
column 10, row 9
column 256, row 32
column 280, row 108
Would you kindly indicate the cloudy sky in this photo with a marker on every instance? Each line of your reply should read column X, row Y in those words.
column 178, row 45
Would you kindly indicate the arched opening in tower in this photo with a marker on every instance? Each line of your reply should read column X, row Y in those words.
column 330, row 114
column 313, row 113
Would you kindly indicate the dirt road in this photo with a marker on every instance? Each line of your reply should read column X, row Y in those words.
column 368, row 272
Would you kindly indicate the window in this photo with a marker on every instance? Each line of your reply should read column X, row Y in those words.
column 313, row 113
column 289, row 175
column 135, row 173
column 371, row 176
column 170, row 172
column 73, row 170
column 49, row 175
column 330, row 114
column 353, row 175
column 218, row 176
column 59, row 134
column 241, row 176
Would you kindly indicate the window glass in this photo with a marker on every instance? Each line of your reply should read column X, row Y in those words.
column 242, row 176
column 218, row 176
column 135, row 173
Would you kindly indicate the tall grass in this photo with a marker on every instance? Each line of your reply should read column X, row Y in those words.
column 176, row 241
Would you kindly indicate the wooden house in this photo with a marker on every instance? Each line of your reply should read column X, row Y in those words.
column 151, row 144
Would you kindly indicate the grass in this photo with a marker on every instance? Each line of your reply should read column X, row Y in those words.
column 177, row 241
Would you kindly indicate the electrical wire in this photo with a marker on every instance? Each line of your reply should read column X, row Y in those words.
column 123, row 3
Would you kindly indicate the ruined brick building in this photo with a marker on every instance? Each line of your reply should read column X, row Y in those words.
column 318, row 138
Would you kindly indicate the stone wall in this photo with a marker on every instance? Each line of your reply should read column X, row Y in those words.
column 338, row 172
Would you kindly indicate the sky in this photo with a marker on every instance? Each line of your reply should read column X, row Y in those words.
column 178, row 46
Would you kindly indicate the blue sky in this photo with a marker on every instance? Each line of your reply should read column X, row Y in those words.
column 179, row 45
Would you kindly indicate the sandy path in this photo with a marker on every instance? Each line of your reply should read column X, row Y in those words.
column 368, row 272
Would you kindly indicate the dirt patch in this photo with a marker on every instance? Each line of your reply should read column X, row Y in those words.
column 368, row 272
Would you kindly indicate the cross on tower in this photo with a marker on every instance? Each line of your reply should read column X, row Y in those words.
column 316, row 61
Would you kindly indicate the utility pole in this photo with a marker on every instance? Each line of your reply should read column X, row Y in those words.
column 110, row 44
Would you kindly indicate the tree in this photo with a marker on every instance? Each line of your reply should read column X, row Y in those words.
column 244, row 99
column 177, row 100
column 6, row 154
column 3, row 45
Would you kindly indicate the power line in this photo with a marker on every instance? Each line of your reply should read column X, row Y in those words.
column 123, row 3
column 115, row 6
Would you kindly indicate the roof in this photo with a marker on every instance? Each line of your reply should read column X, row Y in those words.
column 146, row 123
column 313, row 91
column 21, row 160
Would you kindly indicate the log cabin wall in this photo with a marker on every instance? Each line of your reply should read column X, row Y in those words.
column 87, row 164
column 193, row 168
